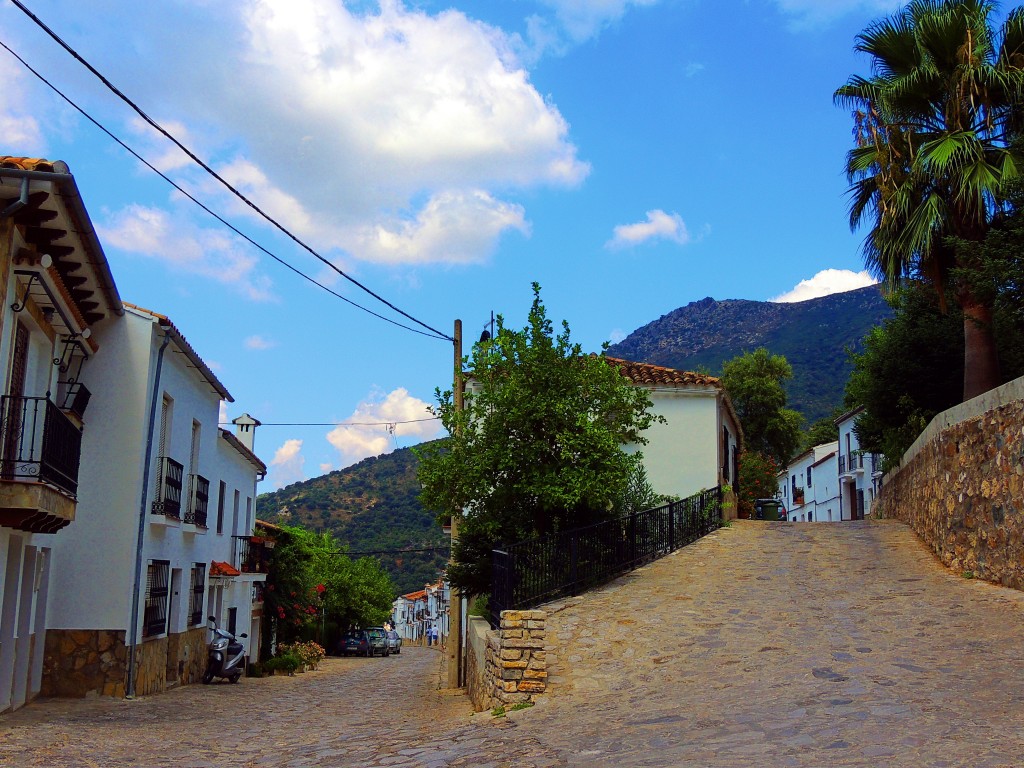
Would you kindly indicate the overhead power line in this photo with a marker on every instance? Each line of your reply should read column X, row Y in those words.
column 339, row 423
column 443, row 548
column 231, row 188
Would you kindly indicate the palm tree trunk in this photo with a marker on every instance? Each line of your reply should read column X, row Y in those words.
column 981, row 361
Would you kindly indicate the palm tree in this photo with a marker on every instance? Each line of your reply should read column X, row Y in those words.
column 935, row 125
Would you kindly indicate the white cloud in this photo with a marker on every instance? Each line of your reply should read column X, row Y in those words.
column 19, row 125
column 583, row 19
column 183, row 247
column 453, row 227
column 659, row 226
column 286, row 466
column 222, row 413
column 825, row 283
column 617, row 335
column 359, row 442
column 326, row 467
column 259, row 343
column 809, row 13
column 694, row 68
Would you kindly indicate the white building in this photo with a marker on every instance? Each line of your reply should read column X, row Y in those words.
column 860, row 474
column 698, row 446
column 56, row 287
column 166, row 515
column 415, row 613
column 808, row 486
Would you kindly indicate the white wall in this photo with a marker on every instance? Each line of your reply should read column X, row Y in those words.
column 94, row 557
column 682, row 456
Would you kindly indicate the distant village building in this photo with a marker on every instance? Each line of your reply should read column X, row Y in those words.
column 415, row 614
column 860, row 473
column 808, row 486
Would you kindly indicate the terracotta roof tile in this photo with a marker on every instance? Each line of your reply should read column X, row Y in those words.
column 217, row 568
column 416, row 595
column 31, row 164
column 645, row 373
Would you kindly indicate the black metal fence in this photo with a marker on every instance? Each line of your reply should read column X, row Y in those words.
column 537, row 570
column 38, row 443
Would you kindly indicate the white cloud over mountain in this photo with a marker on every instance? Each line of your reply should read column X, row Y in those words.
column 395, row 415
column 825, row 283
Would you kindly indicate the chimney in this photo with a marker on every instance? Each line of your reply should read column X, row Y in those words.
column 245, row 430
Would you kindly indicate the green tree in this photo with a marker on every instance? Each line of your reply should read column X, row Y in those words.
column 538, row 447
column 754, row 383
column 934, row 130
column 759, row 479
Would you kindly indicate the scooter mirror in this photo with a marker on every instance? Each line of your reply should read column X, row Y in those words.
column 243, row 635
column 213, row 618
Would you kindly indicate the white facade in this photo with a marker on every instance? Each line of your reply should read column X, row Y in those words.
column 55, row 285
column 698, row 446
column 415, row 613
column 192, row 494
column 808, row 487
column 860, row 474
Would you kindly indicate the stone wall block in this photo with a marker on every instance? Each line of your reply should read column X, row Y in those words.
column 511, row 654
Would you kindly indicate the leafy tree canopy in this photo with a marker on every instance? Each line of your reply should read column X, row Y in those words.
column 538, row 447
column 312, row 583
column 823, row 430
column 754, row 383
column 758, row 480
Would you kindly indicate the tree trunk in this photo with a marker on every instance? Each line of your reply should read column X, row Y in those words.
column 981, row 361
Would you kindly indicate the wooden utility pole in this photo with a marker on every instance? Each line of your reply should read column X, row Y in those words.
column 455, row 630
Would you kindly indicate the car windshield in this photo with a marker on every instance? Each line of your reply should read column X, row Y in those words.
column 376, row 632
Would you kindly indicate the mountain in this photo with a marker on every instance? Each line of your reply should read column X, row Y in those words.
column 371, row 506
column 813, row 335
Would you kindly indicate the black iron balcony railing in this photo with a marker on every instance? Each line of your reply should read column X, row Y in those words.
column 168, row 489
column 842, row 465
column 252, row 553
column 198, row 500
column 38, row 443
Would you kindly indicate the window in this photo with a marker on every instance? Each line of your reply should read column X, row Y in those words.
column 809, row 476
column 233, row 621
column 234, row 514
column 248, row 516
column 154, row 620
column 810, row 516
column 220, row 507
column 195, row 604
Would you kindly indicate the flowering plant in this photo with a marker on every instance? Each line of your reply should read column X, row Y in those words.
column 310, row 654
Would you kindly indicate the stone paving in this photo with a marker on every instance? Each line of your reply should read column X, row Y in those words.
column 761, row 645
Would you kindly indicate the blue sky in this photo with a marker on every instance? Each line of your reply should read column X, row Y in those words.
column 631, row 156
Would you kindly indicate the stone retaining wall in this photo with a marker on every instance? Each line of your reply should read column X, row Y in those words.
column 961, row 488
column 514, row 667
column 80, row 662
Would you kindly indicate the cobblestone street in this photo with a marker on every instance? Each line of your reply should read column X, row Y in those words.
column 762, row 645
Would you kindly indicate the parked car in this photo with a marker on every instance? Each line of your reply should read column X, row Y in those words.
column 355, row 642
column 394, row 641
column 378, row 641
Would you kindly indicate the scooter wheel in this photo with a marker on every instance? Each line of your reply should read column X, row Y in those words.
column 235, row 678
column 207, row 677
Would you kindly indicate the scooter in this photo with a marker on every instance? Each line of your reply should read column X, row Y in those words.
column 226, row 656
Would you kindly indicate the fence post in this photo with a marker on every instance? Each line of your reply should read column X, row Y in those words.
column 574, row 558
column 672, row 526
column 632, row 538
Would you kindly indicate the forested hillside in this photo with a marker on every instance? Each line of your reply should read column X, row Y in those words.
column 813, row 335
column 371, row 507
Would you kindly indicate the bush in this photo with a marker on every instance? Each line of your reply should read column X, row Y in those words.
column 286, row 662
column 309, row 654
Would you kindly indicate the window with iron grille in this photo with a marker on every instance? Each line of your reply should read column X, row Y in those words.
column 195, row 604
column 154, row 621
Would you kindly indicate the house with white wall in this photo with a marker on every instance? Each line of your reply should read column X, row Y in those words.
column 416, row 612
column 808, row 486
column 167, row 509
column 698, row 445
column 56, row 288
column 860, row 473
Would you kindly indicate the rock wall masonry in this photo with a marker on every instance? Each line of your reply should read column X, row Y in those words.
column 962, row 492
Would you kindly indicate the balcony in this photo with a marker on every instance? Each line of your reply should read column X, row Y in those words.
column 40, row 449
column 198, row 501
column 168, row 492
column 252, row 553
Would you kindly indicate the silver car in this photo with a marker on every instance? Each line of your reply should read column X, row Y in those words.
column 394, row 641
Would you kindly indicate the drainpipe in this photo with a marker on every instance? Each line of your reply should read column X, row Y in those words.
column 18, row 204
column 133, row 628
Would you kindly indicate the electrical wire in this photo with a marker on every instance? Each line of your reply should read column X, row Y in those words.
column 434, row 333
column 342, row 423
column 442, row 548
